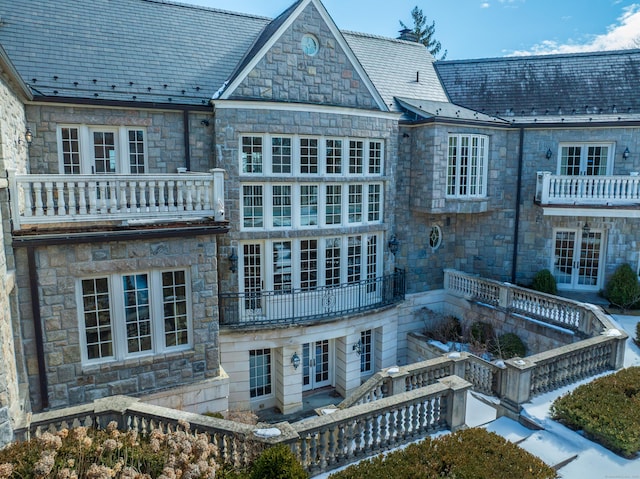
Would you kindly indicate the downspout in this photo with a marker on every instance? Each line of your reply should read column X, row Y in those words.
column 516, row 228
column 37, row 326
column 187, row 148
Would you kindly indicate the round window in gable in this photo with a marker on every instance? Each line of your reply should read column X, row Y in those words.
column 435, row 237
column 310, row 44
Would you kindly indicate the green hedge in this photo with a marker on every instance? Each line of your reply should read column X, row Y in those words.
column 466, row 454
column 607, row 410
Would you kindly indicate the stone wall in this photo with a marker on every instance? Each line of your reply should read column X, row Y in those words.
column 13, row 154
column 287, row 74
column 164, row 140
column 477, row 235
column 59, row 268
column 536, row 231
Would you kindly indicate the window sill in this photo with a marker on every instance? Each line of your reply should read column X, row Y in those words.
column 137, row 361
column 456, row 205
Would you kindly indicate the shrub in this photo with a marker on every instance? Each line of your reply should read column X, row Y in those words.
column 544, row 282
column 508, row 346
column 277, row 462
column 606, row 410
column 481, row 332
column 466, row 454
column 623, row 289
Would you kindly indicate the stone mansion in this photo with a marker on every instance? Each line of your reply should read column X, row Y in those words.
column 211, row 210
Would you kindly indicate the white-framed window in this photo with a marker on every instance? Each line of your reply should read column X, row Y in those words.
column 366, row 351
column 92, row 149
column 142, row 313
column 260, row 373
column 320, row 262
column 585, row 159
column 270, row 154
column 467, row 162
column 435, row 237
column 268, row 205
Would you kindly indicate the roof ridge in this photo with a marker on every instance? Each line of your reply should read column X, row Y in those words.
column 177, row 3
column 543, row 56
column 379, row 37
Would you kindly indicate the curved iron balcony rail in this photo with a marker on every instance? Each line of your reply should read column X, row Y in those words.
column 271, row 308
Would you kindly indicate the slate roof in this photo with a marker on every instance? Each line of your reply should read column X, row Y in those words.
column 397, row 68
column 444, row 110
column 129, row 47
column 163, row 51
column 586, row 86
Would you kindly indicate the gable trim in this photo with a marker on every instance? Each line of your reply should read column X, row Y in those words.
column 242, row 75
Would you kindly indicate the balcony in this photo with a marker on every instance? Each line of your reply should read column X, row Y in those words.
column 275, row 308
column 71, row 199
column 617, row 196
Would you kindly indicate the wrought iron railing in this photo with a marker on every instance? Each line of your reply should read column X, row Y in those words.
column 297, row 305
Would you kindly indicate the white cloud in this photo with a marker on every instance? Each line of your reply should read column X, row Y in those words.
column 620, row 36
column 485, row 5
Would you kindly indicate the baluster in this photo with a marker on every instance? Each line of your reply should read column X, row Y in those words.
column 303, row 451
column 207, row 198
column 122, row 196
column 103, row 197
column 367, row 433
column 48, row 191
column 113, row 196
column 142, row 190
column 62, row 206
column 82, row 199
column 332, row 451
column 134, row 204
column 180, row 187
column 189, row 198
column 153, row 206
column 162, row 196
column 93, row 197
column 313, row 450
column 198, row 202
column 172, row 202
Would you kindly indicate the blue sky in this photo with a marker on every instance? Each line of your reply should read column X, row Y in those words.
column 483, row 28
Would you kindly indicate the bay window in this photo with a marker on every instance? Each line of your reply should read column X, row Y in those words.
column 467, row 166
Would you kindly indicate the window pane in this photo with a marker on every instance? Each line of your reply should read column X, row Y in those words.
column 334, row 205
column 174, row 308
column 332, row 261
column 104, row 147
column 375, row 158
column 355, row 203
column 136, row 151
column 597, row 160
column 252, row 154
column 282, row 266
column 374, row 203
column 308, row 264
column 308, row 156
column 366, row 351
column 354, row 259
column 137, row 316
column 372, row 264
column 260, row 372
column 97, row 318
column 570, row 160
column 355, row 157
column 281, row 207
column 334, row 157
column 308, row 205
column 281, row 155
column 70, row 151
column 252, row 206
column 252, row 269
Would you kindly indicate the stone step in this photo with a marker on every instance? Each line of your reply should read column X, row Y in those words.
column 553, row 450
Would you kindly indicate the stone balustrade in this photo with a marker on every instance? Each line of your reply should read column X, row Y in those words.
column 618, row 190
column 321, row 443
column 45, row 199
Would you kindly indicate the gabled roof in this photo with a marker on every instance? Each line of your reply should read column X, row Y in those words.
column 153, row 50
column 272, row 33
column 165, row 52
column 601, row 85
column 398, row 68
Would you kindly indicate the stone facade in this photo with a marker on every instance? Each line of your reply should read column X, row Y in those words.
column 59, row 269
column 164, row 130
column 13, row 154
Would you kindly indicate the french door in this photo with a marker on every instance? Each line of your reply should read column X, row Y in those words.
column 316, row 365
column 578, row 259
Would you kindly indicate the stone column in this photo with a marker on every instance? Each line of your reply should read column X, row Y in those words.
column 457, row 410
column 287, row 378
column 347, row 368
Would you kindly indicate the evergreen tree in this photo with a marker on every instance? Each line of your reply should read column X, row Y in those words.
column 424, row 32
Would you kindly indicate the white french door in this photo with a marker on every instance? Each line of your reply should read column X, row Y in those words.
column 577, row 260
column 316, row 365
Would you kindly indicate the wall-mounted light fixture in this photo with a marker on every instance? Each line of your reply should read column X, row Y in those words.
column 586, row 229
column 357, row 347
column 295, row 360
column 626, row 153
column 204, row 122
column 393, row 244
column 28, row 137
column 549, row 154
column 233, row 261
